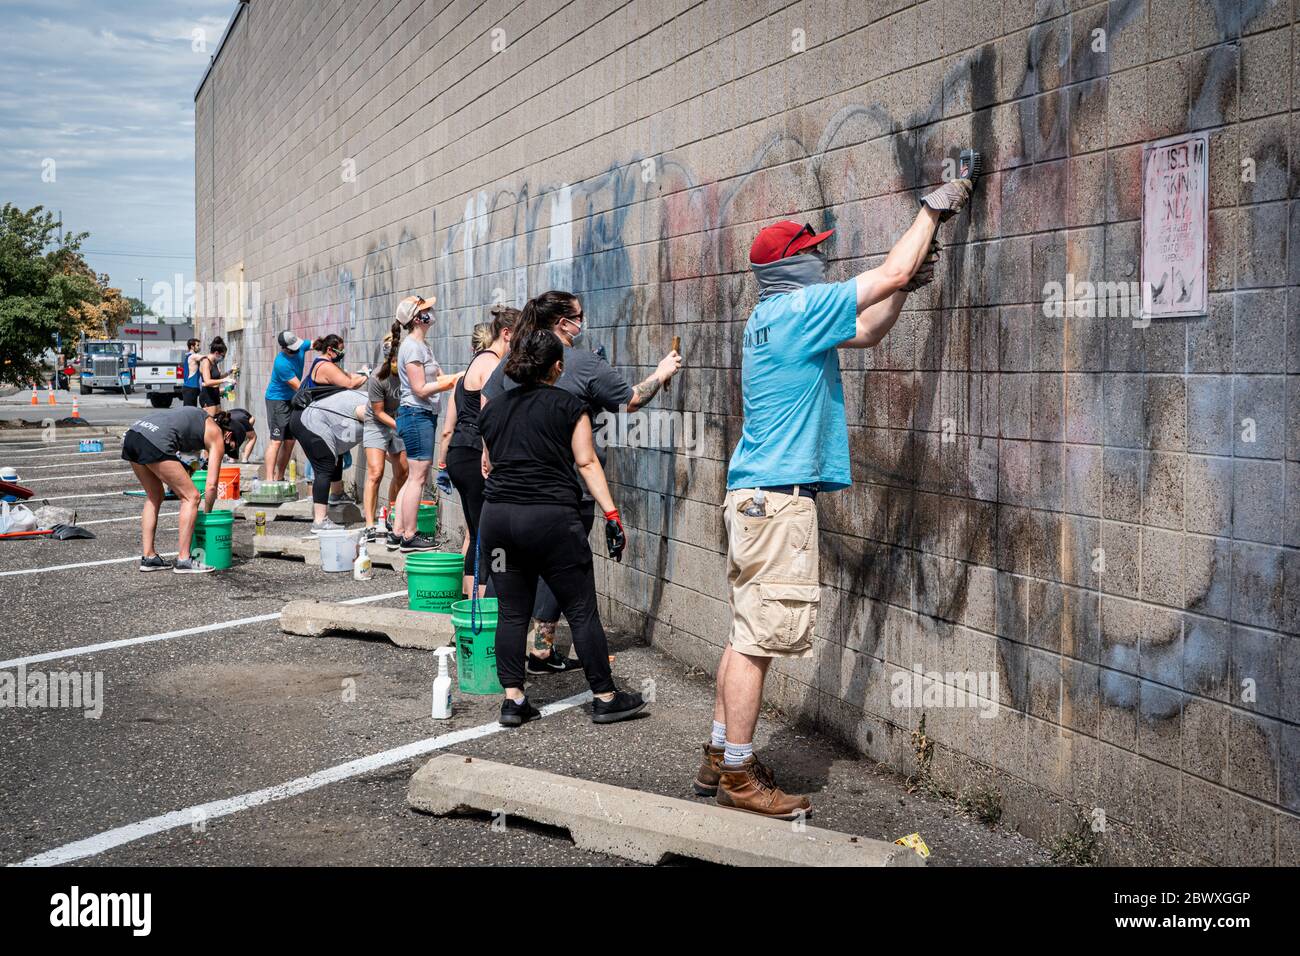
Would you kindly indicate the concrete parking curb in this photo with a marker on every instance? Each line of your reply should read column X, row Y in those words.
column 405, row 628
column 307, row 547
column 639, row 826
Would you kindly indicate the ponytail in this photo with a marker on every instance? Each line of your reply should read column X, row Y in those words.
column 531, row 357
column 327, row 342
column 394, row 337
column 544, row 313
column 503, row 317
column 222, row 420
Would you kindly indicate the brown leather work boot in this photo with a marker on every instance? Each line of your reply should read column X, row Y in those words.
column 750, row 787
column 706, row 778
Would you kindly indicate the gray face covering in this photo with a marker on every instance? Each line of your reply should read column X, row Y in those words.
column 788, row 275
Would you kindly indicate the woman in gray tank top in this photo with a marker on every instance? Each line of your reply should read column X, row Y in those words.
column 152, row 446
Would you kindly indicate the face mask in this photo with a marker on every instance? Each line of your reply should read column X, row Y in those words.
column 338, row 357
column 788, row 275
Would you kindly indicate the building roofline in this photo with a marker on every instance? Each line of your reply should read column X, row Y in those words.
column 212, row 60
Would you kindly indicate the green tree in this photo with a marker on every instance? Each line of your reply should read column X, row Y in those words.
column 47, row 290
column 138, row 307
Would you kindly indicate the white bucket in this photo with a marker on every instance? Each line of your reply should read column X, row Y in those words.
column 338, row 549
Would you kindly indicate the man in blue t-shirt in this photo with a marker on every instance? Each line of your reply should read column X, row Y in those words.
column 794, row 444
column 286, row 374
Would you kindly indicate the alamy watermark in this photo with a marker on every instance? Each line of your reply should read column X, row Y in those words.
column 977, row 690
column 650, row 428
column 1100, row 300
column 78, row 690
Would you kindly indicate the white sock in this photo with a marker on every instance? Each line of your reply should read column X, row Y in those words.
column 719, row 735
column 737, row 753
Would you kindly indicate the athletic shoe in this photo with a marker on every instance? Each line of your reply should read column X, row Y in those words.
column 153, row 564
column 515, row 714
column 622, row 706
column 392, row 542
column 341, row 500
column 190, row 566
column 417, row 542
column 550, row 664
column 318, row 526
column 369, row 534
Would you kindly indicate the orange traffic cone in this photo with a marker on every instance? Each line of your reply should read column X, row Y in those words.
column 76, row 412
column 51, row 392
column 35, row 400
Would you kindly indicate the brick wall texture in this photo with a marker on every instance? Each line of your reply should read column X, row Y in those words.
column 629, row 152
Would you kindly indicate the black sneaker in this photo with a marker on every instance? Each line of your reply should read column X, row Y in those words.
column 154, row 563
column 369, row 534
column 514, row 714
column 552, row 663
column 392, row 542
column 622, row 706
column 417, row 542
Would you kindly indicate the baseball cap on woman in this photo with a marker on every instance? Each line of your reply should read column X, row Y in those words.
column 410, row 307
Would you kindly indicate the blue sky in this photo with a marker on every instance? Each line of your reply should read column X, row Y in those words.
column 105, row 89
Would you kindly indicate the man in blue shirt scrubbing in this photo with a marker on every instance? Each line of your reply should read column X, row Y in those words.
column 793, row 445
column 286, row 374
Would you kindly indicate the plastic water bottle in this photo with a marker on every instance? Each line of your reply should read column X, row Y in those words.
column 442, row 685
column 362, row 568
column 758, row 507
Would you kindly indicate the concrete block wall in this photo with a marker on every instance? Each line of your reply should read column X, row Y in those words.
column 629, row 152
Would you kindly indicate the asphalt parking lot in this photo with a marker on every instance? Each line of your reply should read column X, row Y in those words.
column 217, row 705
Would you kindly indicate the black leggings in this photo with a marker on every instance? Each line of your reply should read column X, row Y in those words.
column 545, row 541
column 547, row 608
column 326, row 467
column 465, row 466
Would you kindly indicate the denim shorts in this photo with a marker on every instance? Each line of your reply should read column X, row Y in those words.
column 417, row 428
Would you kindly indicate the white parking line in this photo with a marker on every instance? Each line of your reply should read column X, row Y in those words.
column 168, row 635
column 31, row 458
column 97, row 494
column 95, row 474
column 21, row 467
column 161, row 515
column 83, row 564
column 119, row 836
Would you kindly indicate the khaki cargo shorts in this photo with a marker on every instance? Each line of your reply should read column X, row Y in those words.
column 772, row 570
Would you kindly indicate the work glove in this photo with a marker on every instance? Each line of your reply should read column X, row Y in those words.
column 925, row 274
column 443, row 482
column 615, row 538
column 950, row 198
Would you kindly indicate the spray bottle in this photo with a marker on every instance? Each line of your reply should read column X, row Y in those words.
column 362, row 568
column 442, row 685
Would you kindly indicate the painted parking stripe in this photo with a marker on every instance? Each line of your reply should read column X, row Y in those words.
column 169, row 635
column 120, row 836
column 37, row 457
column 83, row 564
column 161, row 515
column 22, row 467
column 97, row 494
column 93, row 474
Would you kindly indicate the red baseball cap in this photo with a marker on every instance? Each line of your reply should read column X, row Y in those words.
column 782, row 239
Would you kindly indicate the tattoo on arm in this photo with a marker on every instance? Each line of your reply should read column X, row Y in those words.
column 646, row 390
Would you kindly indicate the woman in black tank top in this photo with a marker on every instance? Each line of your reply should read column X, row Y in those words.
column 461, row 452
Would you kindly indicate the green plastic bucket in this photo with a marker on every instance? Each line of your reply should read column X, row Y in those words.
column 426, row 519
column 433, row 580
column 476, row 654
column 212, row 535
column 200, row 479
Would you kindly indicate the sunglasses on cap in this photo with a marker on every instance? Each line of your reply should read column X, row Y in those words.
column 807, row 230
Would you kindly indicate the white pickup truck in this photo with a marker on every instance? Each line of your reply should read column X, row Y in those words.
column 160, row 374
